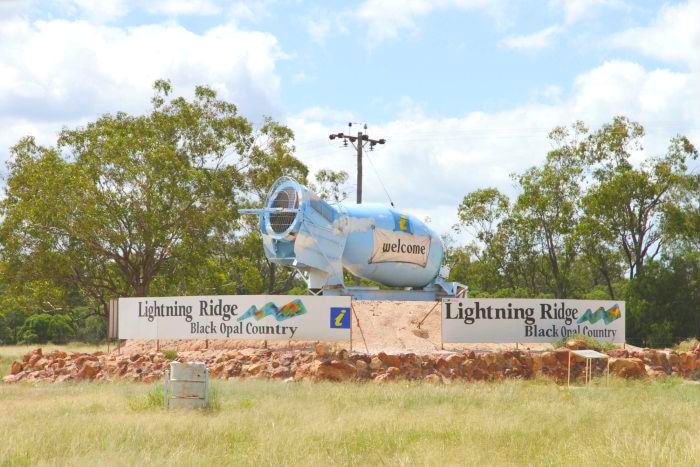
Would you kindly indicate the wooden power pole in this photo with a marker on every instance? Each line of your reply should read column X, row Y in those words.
column 358, row 142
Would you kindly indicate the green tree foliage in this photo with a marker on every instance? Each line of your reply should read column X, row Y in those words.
column 629, row 201
column 331, row 185
column 682, row 217
column 148, row 205
column 42, row 328
column 126, row 200
column 587, row 217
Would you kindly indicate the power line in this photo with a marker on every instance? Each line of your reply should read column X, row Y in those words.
column 358, row 142
column 380, row 180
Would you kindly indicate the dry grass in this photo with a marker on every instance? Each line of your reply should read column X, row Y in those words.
column 272, row 423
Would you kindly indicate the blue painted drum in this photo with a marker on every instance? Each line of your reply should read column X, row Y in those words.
column 374, row 242
column 400, row 270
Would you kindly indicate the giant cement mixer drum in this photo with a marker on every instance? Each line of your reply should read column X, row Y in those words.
column 372, row 241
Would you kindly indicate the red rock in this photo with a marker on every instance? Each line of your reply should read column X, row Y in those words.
column 674, row 359
column 41, row 364
column 381, row 378
column 628, row 367
column 34, row 358
column 562, row 356
column 576, row 344
column 455, row 360
column 618, row 353
column 324, row 350
column 253, row 369
column 441, row 364
column 549, row 360
column 88, row 371
column 150, row 378
column 303, row 371
column 409, row 359
column 376, row 364
column 14, row 378
column 335, row 370
column 389, row 360
column 15, row 368
column 687, row 361
column 280, row 373
column 217, row 370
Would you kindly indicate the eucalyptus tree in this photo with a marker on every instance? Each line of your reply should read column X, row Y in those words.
column 628, row 200
column 126, row 200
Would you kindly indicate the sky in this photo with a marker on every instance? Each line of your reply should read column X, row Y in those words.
column 464, row 91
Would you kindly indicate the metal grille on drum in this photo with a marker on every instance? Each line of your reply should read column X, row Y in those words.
column 286, row 199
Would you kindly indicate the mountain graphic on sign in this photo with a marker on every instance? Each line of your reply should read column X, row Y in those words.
column 608, row 316
column 288, row 311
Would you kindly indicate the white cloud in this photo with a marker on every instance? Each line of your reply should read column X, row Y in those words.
column 183, row 7
column 71, row 68
column 577, row 10
column 674, row 36
column 321, row 24
column 56, row 73
column 573, row 10
column 537, row 40
column 101, row 10
column 9, row 8
column 387, row 19
column 429, row 164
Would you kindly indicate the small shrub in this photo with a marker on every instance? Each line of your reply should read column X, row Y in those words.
column 152, row 400
column 41, row 328
column 687, row 345
column 660, row 334
column 93, row 330
column 35, row 329
column 600, row 346
column 61, row 329
column 214, row 402
column 170, row 354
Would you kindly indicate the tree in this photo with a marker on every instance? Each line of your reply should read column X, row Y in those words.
column 480, row 213
column 41, row 328
column 127, row 199
column 331, row 185
column 682, row 216
column 630, row 200
column 549, row 205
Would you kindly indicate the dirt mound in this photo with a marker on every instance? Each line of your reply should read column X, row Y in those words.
column 384, row 326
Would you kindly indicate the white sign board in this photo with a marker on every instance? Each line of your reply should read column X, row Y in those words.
column 398, row 247
column 273, row 317
column 530, row 320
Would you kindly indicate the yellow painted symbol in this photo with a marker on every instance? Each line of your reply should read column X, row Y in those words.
column 339, row 318
column 402, row 223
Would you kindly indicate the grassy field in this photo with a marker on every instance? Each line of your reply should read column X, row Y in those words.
column 261, row 423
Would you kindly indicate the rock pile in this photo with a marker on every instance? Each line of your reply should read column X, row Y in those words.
column 328, row 363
